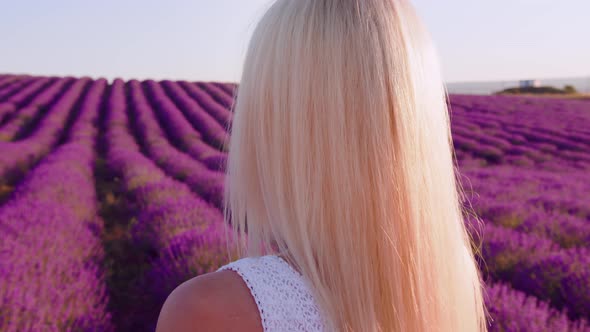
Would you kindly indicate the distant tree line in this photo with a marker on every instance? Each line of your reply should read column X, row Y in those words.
column 568, row 89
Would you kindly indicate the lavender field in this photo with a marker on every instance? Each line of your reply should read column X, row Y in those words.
column 111, row 193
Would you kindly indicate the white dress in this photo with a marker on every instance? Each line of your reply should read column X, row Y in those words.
column 283, row 297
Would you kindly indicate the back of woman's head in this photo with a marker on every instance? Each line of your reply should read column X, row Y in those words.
column 341, row 158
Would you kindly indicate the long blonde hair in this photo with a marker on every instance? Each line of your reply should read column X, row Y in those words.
column 340, row 158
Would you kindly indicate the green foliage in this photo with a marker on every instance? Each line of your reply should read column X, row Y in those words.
column 569, row 89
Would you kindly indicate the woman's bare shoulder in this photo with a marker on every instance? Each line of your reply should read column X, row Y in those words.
column 218, row 301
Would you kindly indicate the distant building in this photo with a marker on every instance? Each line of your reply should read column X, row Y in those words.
column 529, row 83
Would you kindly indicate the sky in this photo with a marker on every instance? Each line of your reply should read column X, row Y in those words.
column 206, row 40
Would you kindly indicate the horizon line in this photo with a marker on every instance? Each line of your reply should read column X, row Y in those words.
column 111, row 79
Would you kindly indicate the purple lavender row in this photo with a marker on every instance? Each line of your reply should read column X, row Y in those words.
column 488, row 128
column 539, row 267
column 22, row 154
column 197, row 114
column 194, row 100
column 565, row 229
column 8, row 79
column 557, row 114
column 515, row 311
column 489, row 140
column 9, row 83
column 189, row 254
column 171, row 222
column 541, row 202
column 216, row 108
column 569, row 135
column 6, row 109
column 220, row 97
column 15, row 86
column 540, row 112
column 42, row 97
column 48, row 95
column 23, row 114
column 156, row 191
column 535, row 136
column 206, row 183
column 180, row 130
column 223, row 93
column 51, row 253
column 488, row 152
column 229, row 88
column 541, row 155
column 20, row 118
column 27, row 93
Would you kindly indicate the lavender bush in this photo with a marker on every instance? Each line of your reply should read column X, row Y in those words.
column 170, row 221
column 50, row 254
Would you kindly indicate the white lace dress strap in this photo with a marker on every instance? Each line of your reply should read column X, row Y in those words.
column 284, row 300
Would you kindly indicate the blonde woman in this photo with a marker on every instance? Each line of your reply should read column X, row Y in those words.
column 341, row 171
